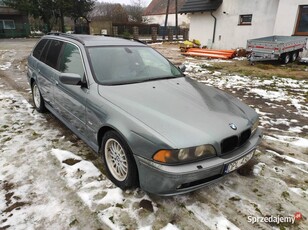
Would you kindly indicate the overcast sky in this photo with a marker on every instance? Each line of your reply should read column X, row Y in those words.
column 127, row 2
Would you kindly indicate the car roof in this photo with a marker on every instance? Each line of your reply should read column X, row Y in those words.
column 96, row 40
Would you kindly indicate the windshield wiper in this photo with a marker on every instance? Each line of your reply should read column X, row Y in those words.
column 158, row 78
column 141, row 80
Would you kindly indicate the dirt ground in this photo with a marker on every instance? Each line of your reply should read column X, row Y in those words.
column 274, row 183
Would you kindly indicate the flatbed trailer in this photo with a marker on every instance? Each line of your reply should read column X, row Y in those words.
column 284, row 48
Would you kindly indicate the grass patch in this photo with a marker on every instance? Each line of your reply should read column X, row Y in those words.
column 261, row 69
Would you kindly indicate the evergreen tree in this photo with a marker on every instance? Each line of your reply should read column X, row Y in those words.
column 49, row 11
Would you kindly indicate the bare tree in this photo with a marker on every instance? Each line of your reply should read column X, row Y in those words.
column 135, row 11
column 110, row 12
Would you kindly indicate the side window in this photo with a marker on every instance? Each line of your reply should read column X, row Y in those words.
column 53, row 53
column 9, row 24
column 71, row 60
column 38, row 50
column 45, row 51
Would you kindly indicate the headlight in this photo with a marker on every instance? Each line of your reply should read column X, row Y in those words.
column 254, row 127
column 185, row 155
column 205, row 150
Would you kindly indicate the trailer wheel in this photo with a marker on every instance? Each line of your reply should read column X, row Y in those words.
column 294, row 56
column 285, row 58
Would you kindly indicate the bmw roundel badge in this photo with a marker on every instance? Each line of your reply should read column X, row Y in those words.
column 233, row 126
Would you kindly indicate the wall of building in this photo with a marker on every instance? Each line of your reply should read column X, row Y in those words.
column 286, row 18
column 183, row 20
column 21, row 23
column 230, row 35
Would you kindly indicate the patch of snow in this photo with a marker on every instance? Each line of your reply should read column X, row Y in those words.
column 212, row 220
column 258, row 168
column 170, row 227
column 267, row 94
column 288, row 158
column 296, row 141
column 296, row 129
column 5, row 66
column 216, row 73
column 299, row 191
column 63, row 155
column 114, row 196
column 240, row 58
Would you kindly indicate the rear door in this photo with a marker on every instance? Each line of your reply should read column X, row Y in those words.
column 70, row 100
column 47, row 70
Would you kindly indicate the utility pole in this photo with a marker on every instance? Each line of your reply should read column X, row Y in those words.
column 166, row 19
column 176, row 20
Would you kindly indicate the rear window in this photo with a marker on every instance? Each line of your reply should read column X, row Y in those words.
column 53, row 53
column 38, row 50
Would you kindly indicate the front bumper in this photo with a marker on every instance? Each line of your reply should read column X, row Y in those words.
column 166, row 180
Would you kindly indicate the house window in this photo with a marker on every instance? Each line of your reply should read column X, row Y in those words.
column 302, row 21
column 245, row 19
column 8, row 24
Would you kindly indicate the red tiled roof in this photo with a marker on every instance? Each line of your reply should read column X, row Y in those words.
column 157, row 7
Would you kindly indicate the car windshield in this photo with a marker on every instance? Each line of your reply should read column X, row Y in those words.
column 125, row 65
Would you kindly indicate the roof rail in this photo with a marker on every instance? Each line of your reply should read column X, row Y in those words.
column 132, row 39
column 67, row 35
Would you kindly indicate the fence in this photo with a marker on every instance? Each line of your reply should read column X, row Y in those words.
column 122, row 29
column 128, row 28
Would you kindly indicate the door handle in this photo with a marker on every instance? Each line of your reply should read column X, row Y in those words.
column 38, row 70
column 57, row 83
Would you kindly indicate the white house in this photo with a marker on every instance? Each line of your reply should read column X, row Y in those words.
column 240, row 20
column 156, row 13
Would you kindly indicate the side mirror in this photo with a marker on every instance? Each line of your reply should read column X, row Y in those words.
column 182, row 68
column 70, row 79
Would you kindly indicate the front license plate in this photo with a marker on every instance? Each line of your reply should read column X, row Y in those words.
column 240, row 162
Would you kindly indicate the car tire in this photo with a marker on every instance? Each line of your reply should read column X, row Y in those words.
column 294, row 56
column 38, row 100
column 285, row 58
column 118, row 161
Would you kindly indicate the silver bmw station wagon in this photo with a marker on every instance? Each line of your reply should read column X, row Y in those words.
column 152, row 126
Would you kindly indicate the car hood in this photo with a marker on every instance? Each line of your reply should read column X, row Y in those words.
column 185, row 112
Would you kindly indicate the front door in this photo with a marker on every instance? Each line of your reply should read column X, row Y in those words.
column 70, row 100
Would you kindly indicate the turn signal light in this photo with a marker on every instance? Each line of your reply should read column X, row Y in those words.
column 162, row 156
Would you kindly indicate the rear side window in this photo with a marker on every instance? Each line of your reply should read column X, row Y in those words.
column 38, row 50
column 45, row 51
column 71, row 61
column 53, row 53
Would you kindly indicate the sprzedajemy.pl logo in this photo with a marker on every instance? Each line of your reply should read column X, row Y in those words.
column 275, row 219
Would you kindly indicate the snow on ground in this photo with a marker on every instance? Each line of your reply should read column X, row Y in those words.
column 49, row 179
column 29, row 197
column 8, row 56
